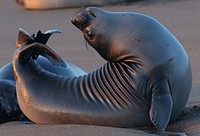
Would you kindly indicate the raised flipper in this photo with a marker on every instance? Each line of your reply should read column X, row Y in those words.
column 27, row 52
column 161, row 105
column 36, row 46
column 44, row 37
column 25, row 38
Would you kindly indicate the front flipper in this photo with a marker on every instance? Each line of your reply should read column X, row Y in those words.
column 161, row 105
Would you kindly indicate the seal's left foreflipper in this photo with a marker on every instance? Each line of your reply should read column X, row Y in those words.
column 161, row 105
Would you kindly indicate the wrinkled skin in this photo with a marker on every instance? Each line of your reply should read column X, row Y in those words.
column 146, row 81
column 144, row 41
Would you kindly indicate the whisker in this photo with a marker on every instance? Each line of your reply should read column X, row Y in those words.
column 106, row 40
column 86, row 45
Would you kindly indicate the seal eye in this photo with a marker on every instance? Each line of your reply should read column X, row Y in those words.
column 90, row 35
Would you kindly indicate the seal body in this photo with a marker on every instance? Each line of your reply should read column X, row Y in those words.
column 147, row 79
column 9, row 108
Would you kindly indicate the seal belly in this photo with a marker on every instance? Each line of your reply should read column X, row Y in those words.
column 107, row 96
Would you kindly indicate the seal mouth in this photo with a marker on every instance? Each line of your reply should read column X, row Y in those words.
column 83, row 19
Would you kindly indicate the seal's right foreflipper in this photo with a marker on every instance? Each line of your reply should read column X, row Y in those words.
column 161, row 105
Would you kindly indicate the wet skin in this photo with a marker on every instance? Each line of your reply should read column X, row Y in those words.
column 146, row 80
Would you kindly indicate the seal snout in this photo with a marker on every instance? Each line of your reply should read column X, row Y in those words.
column 79, row 20
column 83, row 19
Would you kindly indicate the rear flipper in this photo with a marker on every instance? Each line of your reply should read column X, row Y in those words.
column 25, row 53
column 161, row 105
column 24, row 38
column 44, row 37
column 30, row 47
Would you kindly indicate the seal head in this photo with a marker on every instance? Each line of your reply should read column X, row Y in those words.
column 115, row 35
column 96, row 28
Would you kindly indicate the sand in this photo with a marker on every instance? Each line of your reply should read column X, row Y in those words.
column 181, row 17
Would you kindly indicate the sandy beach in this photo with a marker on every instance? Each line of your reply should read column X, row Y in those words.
column 181, row 17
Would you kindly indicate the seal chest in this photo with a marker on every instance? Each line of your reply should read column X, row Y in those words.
column 141, row 84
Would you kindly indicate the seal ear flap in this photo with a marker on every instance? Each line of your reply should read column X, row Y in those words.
column 161, row 105
column 24, row 38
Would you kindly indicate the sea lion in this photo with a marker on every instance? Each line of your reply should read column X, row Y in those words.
column 9, row 108
column 146, row 81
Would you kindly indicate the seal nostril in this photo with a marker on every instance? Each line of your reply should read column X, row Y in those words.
column 80, row 20
column 88, row 9
column 91, row 13
column 83, row 19
column 76, row 21
column 73, row 20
